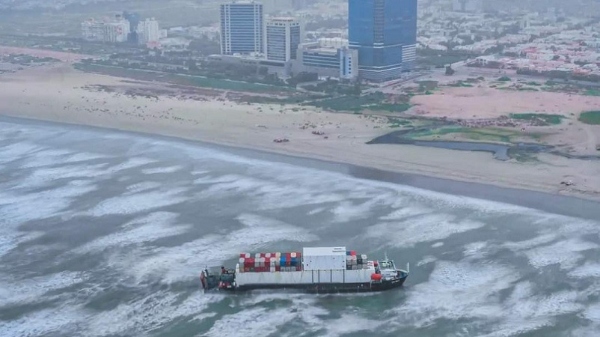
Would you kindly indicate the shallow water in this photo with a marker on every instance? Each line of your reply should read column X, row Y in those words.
column 104, row 234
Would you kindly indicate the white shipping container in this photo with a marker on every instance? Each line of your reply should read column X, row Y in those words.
column 327, row 262
column 323, row 251
column 306, row 277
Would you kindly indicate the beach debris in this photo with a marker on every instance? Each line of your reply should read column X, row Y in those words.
column 319, row 133
column 261, row 126
column 281, row 140
column 567, row 183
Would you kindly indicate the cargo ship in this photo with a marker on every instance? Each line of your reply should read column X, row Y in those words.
column 314, row 270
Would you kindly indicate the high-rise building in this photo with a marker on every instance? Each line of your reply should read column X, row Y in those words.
column 148, row 31
column 242, row 28
column 108, row 30
column 116, row 31
column 283, row 35
column 385, row 34
column 92, row 30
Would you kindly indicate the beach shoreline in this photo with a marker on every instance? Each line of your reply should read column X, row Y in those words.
column 60, row 95
column 565, row 204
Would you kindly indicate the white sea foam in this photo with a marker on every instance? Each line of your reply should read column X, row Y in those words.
column 456, row 290
column 45, row 158
column 317, row 210
column 593, row 313
column 218, row 179
column 11, row 238
column 476, row 250
column 18, row 150
column 129, row 164
column 251, row 321
column 351, row 323
column 531, row 243
column 169, row 169
column 566, row 253
column 407, row 211
column 83, row 156
column 19, row 208
column 175, row 263
column 31, row 290
column 525, row 312
column 267, row 194
column 588, row 270
column 62, row 321
column 349, row 211
column 426, row 260
column 199, row 172
column 430, row 227
column 140, row 202
column 141, row 187
column 143, row 229
column 45, row 175
column 139, row 317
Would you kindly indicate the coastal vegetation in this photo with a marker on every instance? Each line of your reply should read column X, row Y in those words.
column 592, row 92
column 461, row 83
column 590, row 117
column 373, row 102
column 545, row 118
column 178, row 78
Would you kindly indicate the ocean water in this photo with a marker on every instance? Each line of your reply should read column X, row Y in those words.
column 104, row 234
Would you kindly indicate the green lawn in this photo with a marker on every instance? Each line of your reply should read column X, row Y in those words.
column 547, row 118
column 590, row 117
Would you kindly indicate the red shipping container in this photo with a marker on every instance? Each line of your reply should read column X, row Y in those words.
column 298, row 268
column 353, row 253
column 249, row 262
column 277, row 268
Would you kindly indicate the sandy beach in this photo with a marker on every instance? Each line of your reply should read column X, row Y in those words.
column 59, row 93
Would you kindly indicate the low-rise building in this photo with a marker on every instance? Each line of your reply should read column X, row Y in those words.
column 316, row 57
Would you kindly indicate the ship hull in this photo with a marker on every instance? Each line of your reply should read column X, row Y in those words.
column 325, row 288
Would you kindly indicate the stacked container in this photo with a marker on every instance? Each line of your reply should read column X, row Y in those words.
column 355, row 261
column 270, row 262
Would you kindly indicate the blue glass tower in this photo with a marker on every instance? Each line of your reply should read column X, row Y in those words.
column 385, row 34
column 242, row 28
